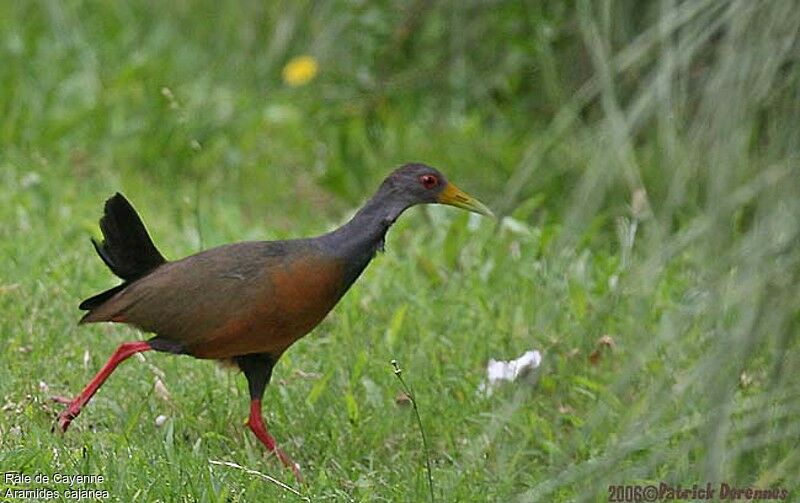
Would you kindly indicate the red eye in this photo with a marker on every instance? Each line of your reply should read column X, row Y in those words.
column 428, row 181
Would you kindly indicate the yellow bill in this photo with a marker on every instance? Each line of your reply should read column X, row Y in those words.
column 454, row 196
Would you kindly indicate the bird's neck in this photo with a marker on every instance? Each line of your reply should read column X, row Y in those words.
column 367, row 229
column 363, row 236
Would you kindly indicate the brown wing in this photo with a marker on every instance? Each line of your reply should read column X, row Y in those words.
column 233, row 300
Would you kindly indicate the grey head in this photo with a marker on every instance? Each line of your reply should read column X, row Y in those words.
column 417, row 183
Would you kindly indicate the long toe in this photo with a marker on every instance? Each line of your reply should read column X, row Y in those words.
column 287, row 462
column 297, row 475
column 66, row 416
column 61, row 399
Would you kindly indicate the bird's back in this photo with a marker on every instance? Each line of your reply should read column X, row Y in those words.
column 249, row 297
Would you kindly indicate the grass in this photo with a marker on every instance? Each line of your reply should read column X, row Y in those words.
column 645, row 160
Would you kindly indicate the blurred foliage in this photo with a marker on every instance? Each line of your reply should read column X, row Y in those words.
column 193, row 90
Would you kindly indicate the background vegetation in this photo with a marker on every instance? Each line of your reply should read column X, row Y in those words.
column 644, row 154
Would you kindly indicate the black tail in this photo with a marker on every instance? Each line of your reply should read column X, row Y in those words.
column 126, row 248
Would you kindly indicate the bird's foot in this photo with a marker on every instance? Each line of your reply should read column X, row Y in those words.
column 259, row 429
column 66, row 416
column 287, row 462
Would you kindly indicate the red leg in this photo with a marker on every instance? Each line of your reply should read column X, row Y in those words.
column 123, row 352
column 256, row 424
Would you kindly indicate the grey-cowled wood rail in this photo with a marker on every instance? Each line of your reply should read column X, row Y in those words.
column 244, row 303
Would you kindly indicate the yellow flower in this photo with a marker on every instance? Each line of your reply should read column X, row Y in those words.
column 300, row 71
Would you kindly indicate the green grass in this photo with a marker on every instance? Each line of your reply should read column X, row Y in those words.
column 645, row 154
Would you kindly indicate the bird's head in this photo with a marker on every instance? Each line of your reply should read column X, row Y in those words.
column 420, row 184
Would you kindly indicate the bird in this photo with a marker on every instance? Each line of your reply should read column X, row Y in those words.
column 243, row 303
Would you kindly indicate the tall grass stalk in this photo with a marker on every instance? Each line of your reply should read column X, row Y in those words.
column 398, row 372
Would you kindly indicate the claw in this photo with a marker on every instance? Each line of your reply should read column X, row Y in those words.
column 63, row 421
column 66, row 416
column 287, row 462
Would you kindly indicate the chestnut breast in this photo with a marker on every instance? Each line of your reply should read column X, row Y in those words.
column 302, row 292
